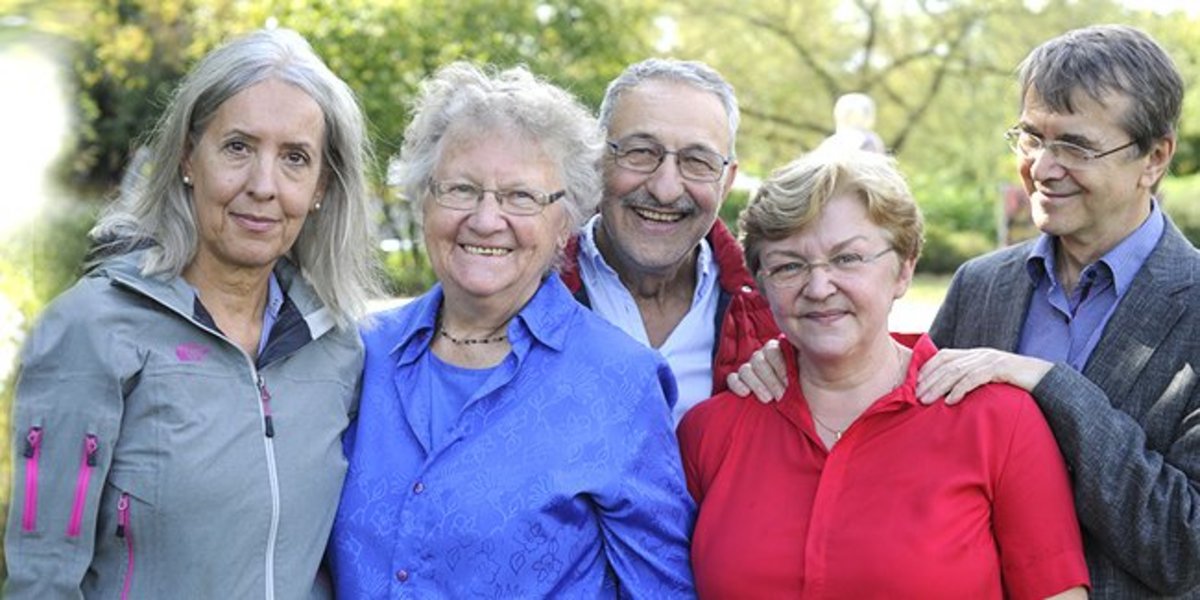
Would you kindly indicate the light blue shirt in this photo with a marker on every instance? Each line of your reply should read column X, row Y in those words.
column 1061, row 327
column 689, row 348
column 270, row 311
column 446, row 389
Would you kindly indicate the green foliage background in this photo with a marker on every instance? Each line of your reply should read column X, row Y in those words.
column 940, row 72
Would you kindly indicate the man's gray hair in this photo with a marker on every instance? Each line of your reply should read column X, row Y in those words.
column 690, row 72
column 1103, row 59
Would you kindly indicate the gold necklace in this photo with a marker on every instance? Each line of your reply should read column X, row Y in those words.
column 837, row 433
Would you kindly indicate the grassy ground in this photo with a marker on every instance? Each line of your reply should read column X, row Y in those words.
column 916, row 310
column 928, row 289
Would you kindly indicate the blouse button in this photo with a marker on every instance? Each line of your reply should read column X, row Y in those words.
column 401, row 575
column 418, row 487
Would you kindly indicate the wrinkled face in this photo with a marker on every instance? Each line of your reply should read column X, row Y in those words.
column 653, row 222
column 1099, row 205
column 837, row 313
column 486, row 253
column 256, row 173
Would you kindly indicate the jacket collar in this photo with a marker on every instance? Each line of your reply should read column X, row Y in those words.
column 734, row 275
column 176, row 294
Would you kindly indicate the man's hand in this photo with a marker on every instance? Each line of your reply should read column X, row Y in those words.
column 954, row 373
column 765, row 375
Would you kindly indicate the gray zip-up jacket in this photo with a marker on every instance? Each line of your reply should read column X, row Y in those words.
column 155, row 459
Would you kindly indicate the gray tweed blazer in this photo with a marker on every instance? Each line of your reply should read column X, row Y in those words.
column 1128, row 426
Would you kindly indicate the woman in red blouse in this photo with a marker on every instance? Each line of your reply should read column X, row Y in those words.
column 848, row 487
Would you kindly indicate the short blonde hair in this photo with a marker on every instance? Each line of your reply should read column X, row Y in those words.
column 794, row 196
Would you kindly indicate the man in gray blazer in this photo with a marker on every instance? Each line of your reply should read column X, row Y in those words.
column 1099, row 318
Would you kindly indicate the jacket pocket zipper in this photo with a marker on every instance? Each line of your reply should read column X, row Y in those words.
column 86, row 464
column 33, row 452
column 124, row 532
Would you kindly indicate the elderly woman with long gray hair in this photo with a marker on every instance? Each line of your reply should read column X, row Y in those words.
column 509, row 443
column 179, row 411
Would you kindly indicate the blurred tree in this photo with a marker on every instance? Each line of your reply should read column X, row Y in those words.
column 130, row 54
column 1179, row 34
column 940, row 71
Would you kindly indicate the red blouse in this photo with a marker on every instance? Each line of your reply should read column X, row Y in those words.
column 965, row 501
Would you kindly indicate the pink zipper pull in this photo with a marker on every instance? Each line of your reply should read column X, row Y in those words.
column 90, row 445
column 122, row 515
column 123, row 531
column 82, row 482
column 33, row 442
column 33, row 452
column 265, row 396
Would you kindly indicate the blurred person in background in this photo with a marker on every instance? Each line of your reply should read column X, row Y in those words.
column 854, row 120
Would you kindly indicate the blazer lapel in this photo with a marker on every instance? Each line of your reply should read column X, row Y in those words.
column 1146, row 314
column 1008, row 302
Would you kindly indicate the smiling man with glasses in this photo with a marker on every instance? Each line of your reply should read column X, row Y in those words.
column 1099, row 318
column 656, row 262
column 1028, row 146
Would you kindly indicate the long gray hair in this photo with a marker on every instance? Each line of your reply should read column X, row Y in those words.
column 334, row 248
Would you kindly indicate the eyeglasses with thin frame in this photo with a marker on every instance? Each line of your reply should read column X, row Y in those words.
column 1070, row 156
column 798, row 272
column 646, row 156
column 463, row 195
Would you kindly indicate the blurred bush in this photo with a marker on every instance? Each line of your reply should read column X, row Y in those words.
column 407, row 273
column 1181, row 200
column 946, row 249
column 732, row 207
column 960, row 219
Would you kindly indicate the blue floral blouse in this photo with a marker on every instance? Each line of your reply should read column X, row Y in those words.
column 560, row 478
